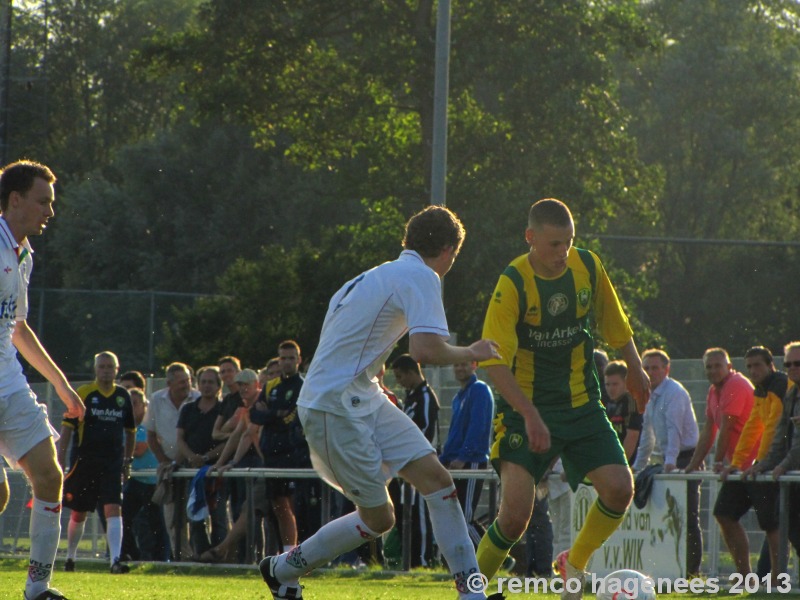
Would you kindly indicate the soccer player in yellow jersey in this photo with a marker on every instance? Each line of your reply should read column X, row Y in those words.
column 550, row 394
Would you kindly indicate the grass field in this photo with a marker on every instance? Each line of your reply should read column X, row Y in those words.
column 158, row 581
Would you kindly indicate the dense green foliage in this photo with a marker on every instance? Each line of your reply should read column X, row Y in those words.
column 263, row 153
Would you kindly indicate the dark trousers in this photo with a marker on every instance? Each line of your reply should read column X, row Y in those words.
column 469, row 495
column 144, row 533
column 694, row 537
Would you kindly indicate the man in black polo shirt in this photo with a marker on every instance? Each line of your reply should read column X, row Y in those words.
column 197, row 447
column 96, row 460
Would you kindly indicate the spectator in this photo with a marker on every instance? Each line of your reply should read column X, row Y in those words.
column 737, row 497
column 468, row 440
column 784, row 451
column 197, row 448
column 229, row 414
column 600, row 363
column 229, row 366
column 728, row 406
column 161, row 422
column 422, row 407
column 670, row 423
column 241, row 450
column 133, row 379
column 98, row 458
column 143, row 531
column 271, row 371
column 621, row 409
column 274, row 420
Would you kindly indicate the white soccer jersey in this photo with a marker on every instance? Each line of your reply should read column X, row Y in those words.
column 365, row 319
column 16, row 264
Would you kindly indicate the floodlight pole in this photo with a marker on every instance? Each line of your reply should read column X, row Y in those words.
column 440, row 94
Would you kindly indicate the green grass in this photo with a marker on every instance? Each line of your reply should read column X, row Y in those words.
column 158, row 581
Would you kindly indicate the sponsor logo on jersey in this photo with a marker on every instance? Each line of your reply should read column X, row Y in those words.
column 557, row 304
column 8, row 308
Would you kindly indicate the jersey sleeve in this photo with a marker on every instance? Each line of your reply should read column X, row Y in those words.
column 501, row 320
column 611, row 319
column 22, row 299
column 422, row 303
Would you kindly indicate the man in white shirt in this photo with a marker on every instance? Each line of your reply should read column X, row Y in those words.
column 26, row 437
column 358, row 438
column 161, row 423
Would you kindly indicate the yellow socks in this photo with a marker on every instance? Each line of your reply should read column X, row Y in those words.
column 493, row 550
column 600, row 523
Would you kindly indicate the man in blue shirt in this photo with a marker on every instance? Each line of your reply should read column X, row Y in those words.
column 468, row 440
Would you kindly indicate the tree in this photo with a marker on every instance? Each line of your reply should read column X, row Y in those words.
column 718, row 109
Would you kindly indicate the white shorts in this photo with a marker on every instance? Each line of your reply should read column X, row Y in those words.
column 358, row 455
column 23, row 424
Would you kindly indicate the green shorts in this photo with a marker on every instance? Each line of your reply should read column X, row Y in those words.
column 582, row 437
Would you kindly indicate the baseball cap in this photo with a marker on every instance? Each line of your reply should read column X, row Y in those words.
column 246, row 376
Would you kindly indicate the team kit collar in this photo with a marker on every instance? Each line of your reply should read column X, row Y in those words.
column 7, row 240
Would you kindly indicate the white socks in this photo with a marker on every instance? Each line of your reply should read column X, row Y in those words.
column 74, row 535
column 114, row 536
column 45, row 531
column 450, row 531
column 335, row 538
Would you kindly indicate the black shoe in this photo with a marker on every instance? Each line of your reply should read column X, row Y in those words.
column 280, row 591
column 69, row 565
column 119, row 568
column 48, row 594
column 496, row 596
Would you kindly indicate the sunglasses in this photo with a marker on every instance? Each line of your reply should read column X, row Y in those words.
column 788, row 364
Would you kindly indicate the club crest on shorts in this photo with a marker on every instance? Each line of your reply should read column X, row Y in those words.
column 557, row 304
column 515, row 441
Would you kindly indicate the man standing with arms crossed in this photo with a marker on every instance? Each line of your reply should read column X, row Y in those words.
column 26, row 203
column 550, row 392
column 357, row 437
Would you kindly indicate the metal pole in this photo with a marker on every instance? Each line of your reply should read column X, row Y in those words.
column 5, row 61
column 440, row 95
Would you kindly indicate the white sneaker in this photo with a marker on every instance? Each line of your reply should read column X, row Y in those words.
column 569, row 574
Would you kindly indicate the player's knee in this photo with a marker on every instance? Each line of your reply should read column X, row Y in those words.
column 513, row 525
column 379, row 521
column 47, row 482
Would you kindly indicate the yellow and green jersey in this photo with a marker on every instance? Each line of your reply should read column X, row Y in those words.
column 544, row 331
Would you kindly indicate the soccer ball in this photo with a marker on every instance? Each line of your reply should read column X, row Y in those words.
column 626, row 584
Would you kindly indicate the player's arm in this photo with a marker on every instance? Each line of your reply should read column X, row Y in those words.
column 430, row 348
column 245, row 441
column 506, row 384
column 636, row 381
column 63, row 445
column 630, row 442
column 219, row 433
column 25, row 340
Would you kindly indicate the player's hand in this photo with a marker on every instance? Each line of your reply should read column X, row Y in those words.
column 73, row 402
column 752, row 472
column 638, row 384
column 223, row 468
column 484, row 350
column 538, row 433
column 725, row 472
